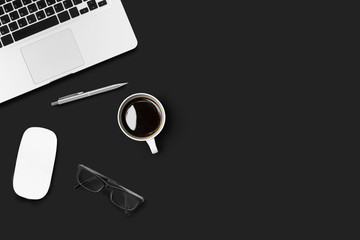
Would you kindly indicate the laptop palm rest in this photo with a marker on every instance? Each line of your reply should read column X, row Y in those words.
column 52, row 56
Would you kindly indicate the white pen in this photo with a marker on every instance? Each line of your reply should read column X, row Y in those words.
column 81, row 95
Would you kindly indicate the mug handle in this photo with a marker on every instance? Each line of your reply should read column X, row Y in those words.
column 152, row 145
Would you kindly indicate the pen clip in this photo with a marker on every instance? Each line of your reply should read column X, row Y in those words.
column 71, row 95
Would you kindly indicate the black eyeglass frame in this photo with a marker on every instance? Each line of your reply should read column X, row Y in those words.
column 108, row 183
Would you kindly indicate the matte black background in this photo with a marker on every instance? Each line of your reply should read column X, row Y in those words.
column 194, row 57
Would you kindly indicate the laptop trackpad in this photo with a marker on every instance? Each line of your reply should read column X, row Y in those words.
column 52, row 56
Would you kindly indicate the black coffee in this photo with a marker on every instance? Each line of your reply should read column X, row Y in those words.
column 141, row 117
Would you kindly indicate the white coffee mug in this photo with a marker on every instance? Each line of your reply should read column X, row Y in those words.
column 150, row 139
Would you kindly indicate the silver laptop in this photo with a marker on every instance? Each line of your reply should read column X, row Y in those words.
column 44, row 40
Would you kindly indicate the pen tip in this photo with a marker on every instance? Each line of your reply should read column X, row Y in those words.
column 121, row 84
column 54, row 103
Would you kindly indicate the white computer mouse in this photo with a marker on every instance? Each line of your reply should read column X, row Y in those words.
column 35, row 163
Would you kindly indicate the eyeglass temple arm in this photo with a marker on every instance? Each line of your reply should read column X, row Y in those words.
column 88, row 180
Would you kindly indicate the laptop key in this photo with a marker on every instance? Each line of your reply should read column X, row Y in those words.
column 74, row 12
column 6, row 40
column 102, row 3
column 5, row 19
column 23, row 12
column 41, row 4
column 17, row 4
column 32, row 8
column 63, row 16
column 13, row 26
column 58, row 7
column 35, row 28
column 22, row 22
column 26, row 2
column 14, row 15
column 68, row 4
column 84, row 10
column 76, row 2
column 49, row 11
column 92, row 4
column 1, row 11
column 31, row 19
column 50, row 2
column 40, row 15
column 4, row 30
column 8, row 7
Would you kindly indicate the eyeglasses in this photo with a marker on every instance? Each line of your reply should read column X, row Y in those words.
column 95, row 182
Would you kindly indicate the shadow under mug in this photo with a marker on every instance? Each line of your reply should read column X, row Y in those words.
column 150, row 140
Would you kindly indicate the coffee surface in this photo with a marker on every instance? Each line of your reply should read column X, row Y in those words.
column 141, row 117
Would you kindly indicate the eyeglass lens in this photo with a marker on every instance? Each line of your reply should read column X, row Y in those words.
column 123, row 199
column 90, row 181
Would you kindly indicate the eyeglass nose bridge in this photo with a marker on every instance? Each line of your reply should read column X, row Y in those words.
column 108, row 187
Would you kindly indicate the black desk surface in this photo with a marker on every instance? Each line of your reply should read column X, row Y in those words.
column 185, row 59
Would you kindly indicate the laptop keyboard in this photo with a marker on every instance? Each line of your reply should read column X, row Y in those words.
column 20, row 19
